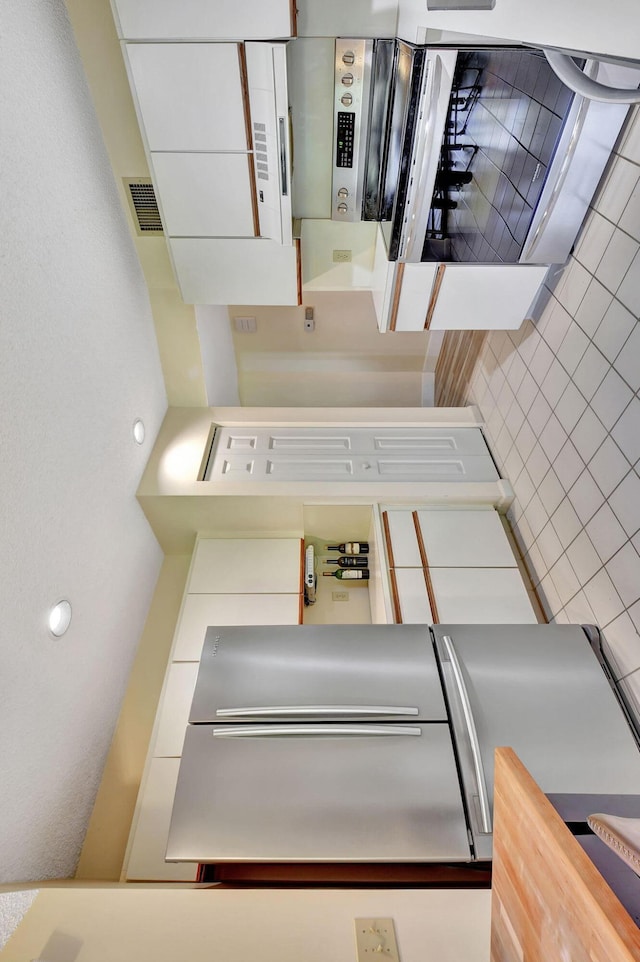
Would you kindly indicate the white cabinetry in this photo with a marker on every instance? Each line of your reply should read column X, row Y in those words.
column 460, row 296
column 232, row 582
column 189, row 95
column 454, row 566
column 216, row 270
column 211, row 20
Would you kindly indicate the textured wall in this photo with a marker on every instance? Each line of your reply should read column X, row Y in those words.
column 78, row 362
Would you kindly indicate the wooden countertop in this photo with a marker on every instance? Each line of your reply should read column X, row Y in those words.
column 549, row 901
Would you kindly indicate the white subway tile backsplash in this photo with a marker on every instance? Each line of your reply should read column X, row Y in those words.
column 537, row 465
column 573, row 346
column 586, row 497
column 594, row 240
column 630, row 217
column 574, row 285
column 564, row 579
column 539, row 413
column 593, row 307
column 603, row 598
column 553, row 438
column 557, row 325
column 624, row 571
column 630, row 141
column 622, row 643
column 588, row 435
column 620, row 183
column 626, row 431
column 551, row 491
column 555, row 383
column 584, row 558
column 566, row 522
column 625, row 502
column 629, row 290
column 568, row 465
column 590, row 371
column 549, row 545
column 578, row 610
column 570, row 407
column 616, row 260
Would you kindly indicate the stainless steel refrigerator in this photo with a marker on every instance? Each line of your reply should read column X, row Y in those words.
column 374, row 743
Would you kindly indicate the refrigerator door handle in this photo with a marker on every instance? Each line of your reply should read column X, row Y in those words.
column 269, row 731
column 483, row 795
column 285, row 710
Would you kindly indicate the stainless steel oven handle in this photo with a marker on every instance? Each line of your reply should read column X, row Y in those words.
column 280, row 710
column 282, row 143
column 434, row 79
column 278, row 731
column 483, row 795
column 576, row 130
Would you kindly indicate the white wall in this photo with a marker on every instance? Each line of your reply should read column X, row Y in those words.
column 78, row 362
column 103, row 925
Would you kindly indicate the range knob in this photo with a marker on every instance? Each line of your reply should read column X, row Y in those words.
column 343, row 192
column 342, row 208
column 346, row 99
column 347, row 79
column 348, row 57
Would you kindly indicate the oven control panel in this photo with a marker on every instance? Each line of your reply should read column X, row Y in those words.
column 351, row 108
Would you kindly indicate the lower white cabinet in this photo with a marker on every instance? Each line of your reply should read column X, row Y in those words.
column 449, row 297
column 410, row 598
column 246, row 565
column 146, row 855
column 481, row 596
column 195, row 20
column 238, row 270
column 173, row 716
column 199, row 611
column 467, row 539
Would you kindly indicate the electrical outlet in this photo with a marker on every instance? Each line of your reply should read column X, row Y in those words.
column 341, row 257
column 376, row 938
column 339, row 595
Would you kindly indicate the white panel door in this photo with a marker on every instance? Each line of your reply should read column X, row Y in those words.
column 204, row 194
column 189, row 95
column 486, row 296
column 412, row 596
column 351, row 454
column 174, row 710
column 461, row 538
column 146, row 856
column 481, row 596
column 410, row 310
column 249, row 565
column 200, row 611
column 404, row 541
column 217, row 270
column 195, row 20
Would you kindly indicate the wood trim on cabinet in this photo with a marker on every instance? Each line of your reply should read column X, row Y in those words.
column 293, row 13
column 299, row 269
column 254, row 196
column 395, row 597
column 435, row 291
column 395, row 303
column 425, row 567
column 244, row 81
column 302, row 559
column 387, row 539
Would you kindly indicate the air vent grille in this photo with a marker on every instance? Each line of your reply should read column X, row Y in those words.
column 260, row 148
column 144, row 206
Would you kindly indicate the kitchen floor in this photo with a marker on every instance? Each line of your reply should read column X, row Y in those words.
column 560, row 398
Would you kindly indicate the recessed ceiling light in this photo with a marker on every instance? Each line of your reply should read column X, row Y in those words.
column 138, row 431
column 60, row 618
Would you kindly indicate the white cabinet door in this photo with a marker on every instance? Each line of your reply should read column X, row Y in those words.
column 174, row 710
column 218, row 270
column 481, row 596
column 205, row 194
column 195, row 20
column 464, row 539
column 200, row 611
column 243, row 566
column 403, row 546
column 189, row 95
column 411, row 596
column 483, row 296
column 146, row 856
column 410, row 298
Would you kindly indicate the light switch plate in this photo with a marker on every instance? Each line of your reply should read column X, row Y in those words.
column 376, row 939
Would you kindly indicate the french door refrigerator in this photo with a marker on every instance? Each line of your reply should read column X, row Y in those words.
column 374, row 743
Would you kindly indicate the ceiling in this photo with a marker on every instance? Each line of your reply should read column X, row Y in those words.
column 79, row 362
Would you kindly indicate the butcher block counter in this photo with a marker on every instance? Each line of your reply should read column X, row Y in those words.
column 549, row 902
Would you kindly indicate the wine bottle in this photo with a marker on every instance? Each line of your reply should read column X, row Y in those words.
column 350, row 547
column 350, row 561
column 344, row 574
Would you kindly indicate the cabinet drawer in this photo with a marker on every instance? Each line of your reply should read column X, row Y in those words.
column 464, row 539
column 146, row 855
column 174, row 711
column 410, row 598
column 200, row 611
column 247, row 566
column 481, row 596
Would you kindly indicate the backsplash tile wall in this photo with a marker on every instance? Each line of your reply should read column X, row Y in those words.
column 560, row 398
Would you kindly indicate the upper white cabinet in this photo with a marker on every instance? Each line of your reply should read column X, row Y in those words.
column 189, row 95
column 464, row 539
column 208, row 20
column 242, row 566
column 205, row 194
